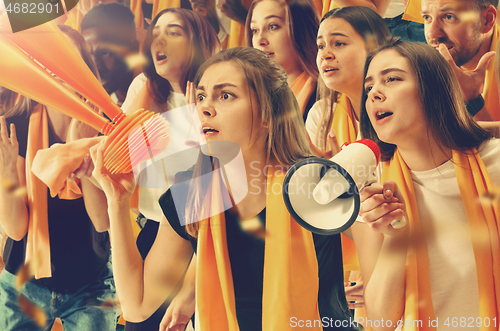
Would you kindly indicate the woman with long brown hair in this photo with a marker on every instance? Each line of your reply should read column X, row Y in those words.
column 288, row 278
column 440, row 171
column 178, row 41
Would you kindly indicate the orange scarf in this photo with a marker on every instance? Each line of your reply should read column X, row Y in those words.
column 159, row 5
column 290, row 267
column 346, row 129
column 38, row 246
column 136, row 8
column 344, row 121
column 474, row 182
column 48, row 167
column 412, row 11
column 303, row 87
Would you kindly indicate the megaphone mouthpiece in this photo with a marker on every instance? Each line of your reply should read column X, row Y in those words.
column 358, row 159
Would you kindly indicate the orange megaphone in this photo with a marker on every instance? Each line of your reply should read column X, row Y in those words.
column 49, row 46
column 140, row 137
column 22, row 75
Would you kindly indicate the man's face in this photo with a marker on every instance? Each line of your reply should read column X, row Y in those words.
column 109, row 57
column 454, row 23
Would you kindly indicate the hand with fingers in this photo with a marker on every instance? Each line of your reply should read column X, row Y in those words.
column 471, row 81
column 179, row 313
column 117, row 187
column 354, row 294
column 334, row 145
column 382, row 206
column 332, row 141
column 86, row 167
column 9, row 149
column 233, row 9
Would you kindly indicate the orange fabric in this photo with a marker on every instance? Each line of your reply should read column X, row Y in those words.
column 346, row 130
column 57, row 325
column 236, row 37
column 344, row 121
column 412, row 11
column 490, row 92
column 303, row 87
column 136, row 8
column 38, row 246
column 290, row 267
column 159, row 5
column 325, row 7
column 473, row 181
column 54, row 165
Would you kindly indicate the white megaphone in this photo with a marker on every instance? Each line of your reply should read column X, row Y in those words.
column 322, row 195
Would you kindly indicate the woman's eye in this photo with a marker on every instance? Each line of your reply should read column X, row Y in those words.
column 338, row 44
column 321, row 46
column 273, row 26
column 227, row 96
column 254, row 31
column 200, row 97
column 368, row 89
column 392, row 79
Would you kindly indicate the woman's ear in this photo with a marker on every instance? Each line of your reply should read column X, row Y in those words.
column 264, row 125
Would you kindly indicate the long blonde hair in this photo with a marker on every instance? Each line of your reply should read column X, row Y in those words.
column 286, row 141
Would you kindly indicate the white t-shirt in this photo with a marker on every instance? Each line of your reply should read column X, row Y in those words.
column 173, row 159
column 452, row 267
column 313, row 119
column 396, row 8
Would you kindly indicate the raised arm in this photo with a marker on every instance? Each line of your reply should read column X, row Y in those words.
column 141, row 285
column 13, row 199
column 382, row 253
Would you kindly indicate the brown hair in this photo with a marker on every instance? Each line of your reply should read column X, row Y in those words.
column 447, row 118
column 286, row 142
column 372, row 28
column 203, row 43
column 303, row 24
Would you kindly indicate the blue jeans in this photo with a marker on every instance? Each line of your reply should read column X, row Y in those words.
column 78, row 311
column 406, row 30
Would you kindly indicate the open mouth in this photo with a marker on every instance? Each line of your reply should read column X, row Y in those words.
column 383, row 114
column 327, row 70
column 160, row 56
column 208, row 130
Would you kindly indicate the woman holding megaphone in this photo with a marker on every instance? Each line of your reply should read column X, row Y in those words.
column 64, row 242
column 287, row 278
column 442, row 172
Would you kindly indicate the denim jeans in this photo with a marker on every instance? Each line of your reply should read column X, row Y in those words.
column 81, row 310
column 406, row 30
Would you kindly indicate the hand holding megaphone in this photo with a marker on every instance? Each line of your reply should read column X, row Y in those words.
column 359, row 159
column 322, row 195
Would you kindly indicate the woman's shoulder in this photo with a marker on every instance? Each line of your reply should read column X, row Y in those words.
column 173, row 202
column 134, row 88
column 314, row 115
